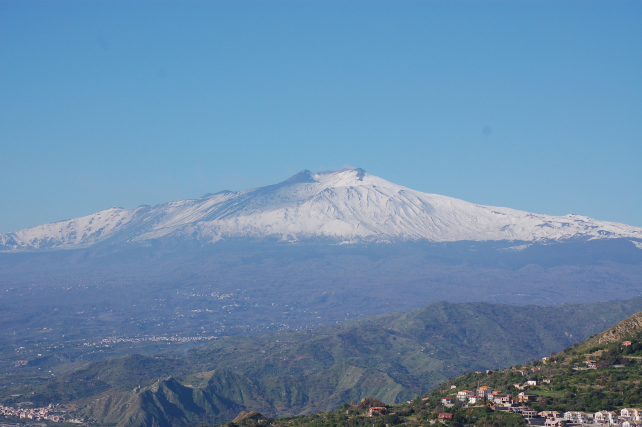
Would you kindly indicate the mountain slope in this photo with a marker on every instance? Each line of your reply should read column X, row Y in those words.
column 349, row 205
column 611, row 385
column 600, row 373
column 392, row 357
column 621, row 331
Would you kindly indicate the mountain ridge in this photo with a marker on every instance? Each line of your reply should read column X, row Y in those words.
column 559, row 387
column 393, row 357
column 347, row 206
column 619, row 332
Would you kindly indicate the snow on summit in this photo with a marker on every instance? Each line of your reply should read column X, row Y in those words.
column 348, row 205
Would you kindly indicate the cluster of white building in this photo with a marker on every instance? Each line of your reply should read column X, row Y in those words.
column 174, row 339
column 37, row 414
column 485, row 393
column 627, row 417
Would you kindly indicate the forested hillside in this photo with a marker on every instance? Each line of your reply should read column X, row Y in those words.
column 392, row 357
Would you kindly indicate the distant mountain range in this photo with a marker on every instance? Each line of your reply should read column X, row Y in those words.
column 339, row 207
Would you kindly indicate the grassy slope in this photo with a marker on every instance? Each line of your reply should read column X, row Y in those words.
column 606, row 388
column 412, row 413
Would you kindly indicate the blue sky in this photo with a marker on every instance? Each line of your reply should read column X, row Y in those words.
column 530, row 105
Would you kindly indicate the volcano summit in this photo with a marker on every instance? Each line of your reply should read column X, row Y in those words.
column 342, row 207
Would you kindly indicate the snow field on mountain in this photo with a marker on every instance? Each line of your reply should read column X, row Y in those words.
column 349, row 205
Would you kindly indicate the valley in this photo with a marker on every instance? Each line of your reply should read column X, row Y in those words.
column 393, row 357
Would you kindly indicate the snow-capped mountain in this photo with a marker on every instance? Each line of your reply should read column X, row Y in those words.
column 346, row 206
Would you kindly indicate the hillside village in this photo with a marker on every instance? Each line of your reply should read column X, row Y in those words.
column 519, row 404
column 580, row 386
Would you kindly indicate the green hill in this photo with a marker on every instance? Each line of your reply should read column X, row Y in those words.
column 417, row 412
column 392, row 357
column 600, row 373
column 625, row 329
column 611, row 385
